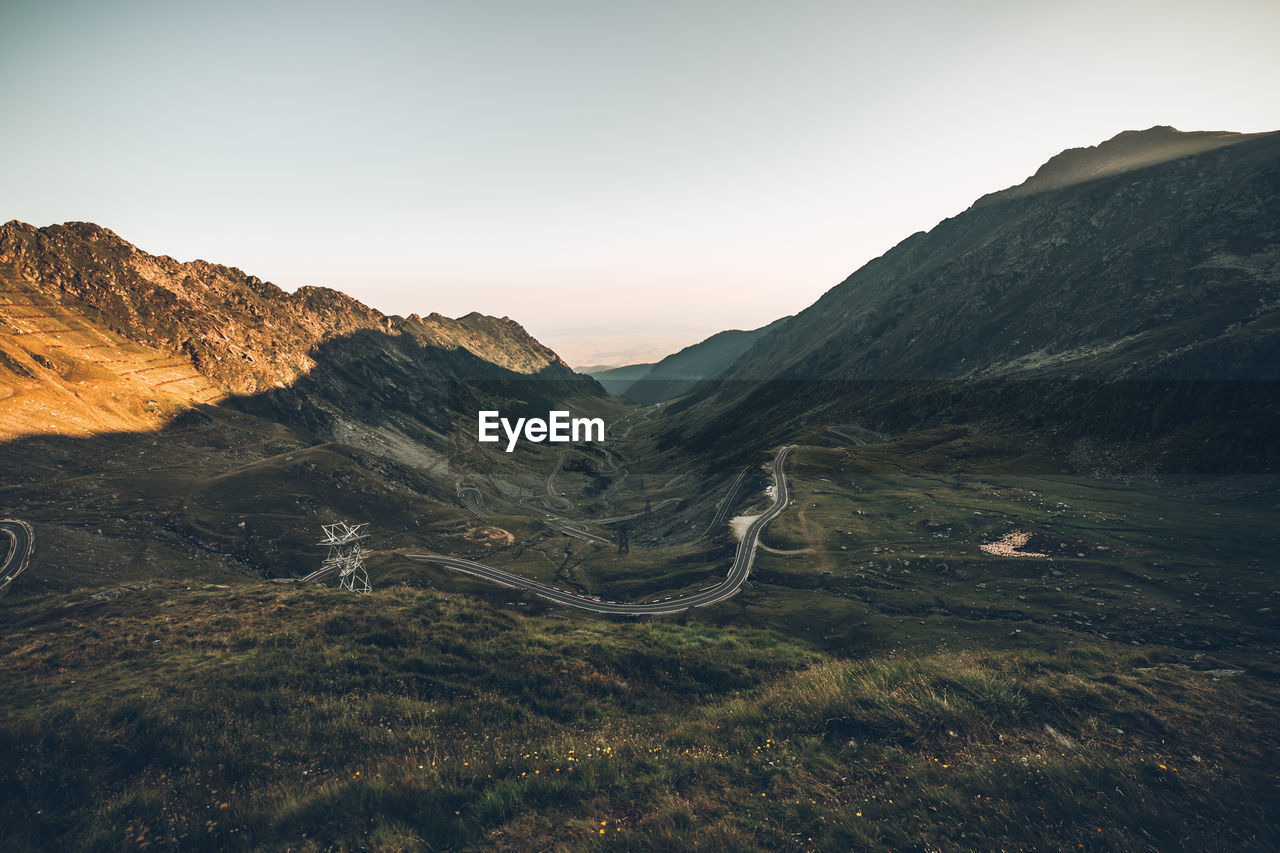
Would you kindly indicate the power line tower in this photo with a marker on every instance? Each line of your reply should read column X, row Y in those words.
column 648, row 506
column 624, row 541
column 346, row 555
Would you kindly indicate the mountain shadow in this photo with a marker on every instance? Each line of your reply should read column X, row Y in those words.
column 240, row 487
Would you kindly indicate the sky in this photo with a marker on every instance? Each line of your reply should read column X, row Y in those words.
column 622, row 178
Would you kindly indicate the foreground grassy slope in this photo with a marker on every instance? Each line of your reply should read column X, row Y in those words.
column 187, row 716
column 880, row 683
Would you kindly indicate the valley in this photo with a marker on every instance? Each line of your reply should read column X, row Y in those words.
column 671, row 604
column 878, row 679
column 975, row 552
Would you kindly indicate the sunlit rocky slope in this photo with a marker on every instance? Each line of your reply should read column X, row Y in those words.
column 97, row 334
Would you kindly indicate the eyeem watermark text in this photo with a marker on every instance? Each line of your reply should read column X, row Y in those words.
column 558, row 427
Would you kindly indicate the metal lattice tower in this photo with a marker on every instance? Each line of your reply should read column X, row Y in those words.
column 346, row 555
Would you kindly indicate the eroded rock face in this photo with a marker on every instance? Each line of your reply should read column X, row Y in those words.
column 245, row 334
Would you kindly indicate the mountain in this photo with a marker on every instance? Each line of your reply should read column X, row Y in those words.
column 679, row 372
column 1127, row 291
column 1124, row 152
column 84, row 310
column 1017, row 654
column 161, row 414
column 242, row 333
column 615, row 380
column 592, row 369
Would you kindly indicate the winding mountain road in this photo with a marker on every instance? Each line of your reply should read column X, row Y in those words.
column 22, row 543
column 575, row 529
column 472, row 503
column 552, row 495
column 722, row 510
column 842, row 430
column 737, row 576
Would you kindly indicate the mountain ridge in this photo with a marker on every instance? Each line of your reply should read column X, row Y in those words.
column 1124, row 152
column 96, row 334
column 1164, row 273
column 238, row 330
column 680, row 372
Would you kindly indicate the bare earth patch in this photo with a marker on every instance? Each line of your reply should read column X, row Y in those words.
column 740, row 525
column 1008, row 546
column 489, row 536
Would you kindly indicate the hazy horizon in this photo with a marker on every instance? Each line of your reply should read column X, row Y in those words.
column 622, row 180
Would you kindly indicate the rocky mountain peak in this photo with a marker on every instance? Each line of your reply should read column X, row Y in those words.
column 243, row 333
column 1124, row 152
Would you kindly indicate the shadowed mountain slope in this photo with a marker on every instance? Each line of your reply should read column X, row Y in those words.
column 241, row 486
column 155, row 414
column 679, row 373
column 616, row 380
column 1152, row 258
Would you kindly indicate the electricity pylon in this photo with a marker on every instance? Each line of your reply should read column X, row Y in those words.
column 346, row 555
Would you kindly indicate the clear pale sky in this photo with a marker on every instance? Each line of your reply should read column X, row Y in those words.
column 623, row 178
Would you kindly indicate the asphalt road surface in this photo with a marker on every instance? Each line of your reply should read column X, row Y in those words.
column 472, row 503
column 552, row 496
column 21, row 545
column 576, row 530
column 722, row 511
column 738, row 572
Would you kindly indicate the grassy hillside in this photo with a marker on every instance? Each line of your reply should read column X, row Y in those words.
column 187, row 716
column 957, row 638
column 881, row 683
